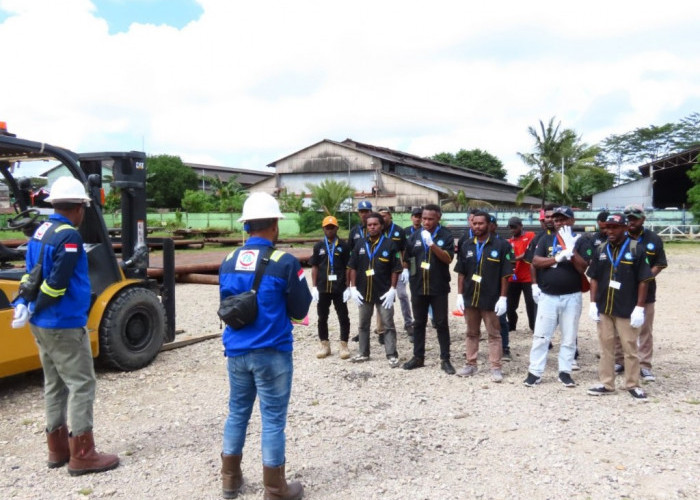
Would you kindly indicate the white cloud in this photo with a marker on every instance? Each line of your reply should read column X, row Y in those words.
column 250, row 82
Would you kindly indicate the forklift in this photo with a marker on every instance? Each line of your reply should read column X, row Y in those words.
column 131, row 316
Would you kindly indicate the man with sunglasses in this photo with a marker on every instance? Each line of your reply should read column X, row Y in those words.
column 654, row 249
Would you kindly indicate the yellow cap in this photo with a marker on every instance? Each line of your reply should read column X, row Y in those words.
column 330, row 220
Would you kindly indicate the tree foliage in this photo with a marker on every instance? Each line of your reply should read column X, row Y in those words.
column 457, row 201
column 694, row 192
column 474, row 159
column 168, row 179
column 329, row 195
column 290, row 202
column 197, row 201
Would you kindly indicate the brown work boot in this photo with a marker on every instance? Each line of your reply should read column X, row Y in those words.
column 231, row 475
column 344, row 351
column 59, row 451
column 325, row 349
column 276, row 486
column 84, row 459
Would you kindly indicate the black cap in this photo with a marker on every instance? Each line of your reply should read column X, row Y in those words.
column 565, row 211
column 602, row 216
column 417, row 211
column 515, row 221
column 617, row 218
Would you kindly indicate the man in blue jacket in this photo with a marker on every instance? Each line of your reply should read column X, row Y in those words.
column 58, row 319
column 260, row 353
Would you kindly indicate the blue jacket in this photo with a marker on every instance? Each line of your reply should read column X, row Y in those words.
column 64, row 295
column 283, row 295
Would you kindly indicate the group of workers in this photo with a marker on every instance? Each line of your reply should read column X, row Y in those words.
column 379, row 263
column 552, row 269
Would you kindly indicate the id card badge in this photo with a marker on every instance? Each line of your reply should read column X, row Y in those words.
column 476, row 278
column 615, row 284
column 369, row 272
column 425, row 265
column 332, row 277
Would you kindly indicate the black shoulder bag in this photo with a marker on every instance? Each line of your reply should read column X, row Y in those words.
column 31, row 282
column 240, row 310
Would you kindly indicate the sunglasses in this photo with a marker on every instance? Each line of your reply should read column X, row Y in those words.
column 636, row 213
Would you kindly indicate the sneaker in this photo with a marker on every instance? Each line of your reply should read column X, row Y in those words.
column 506, row 355
column 574, row 366
column 638, row 393
column 647, row 375
column 619, row 368
column 380, row 337
column 360, row 358
column 356, row 338
column 393, row 362
column 496, row 375
column 447, row 367
column 532, row 380
column 565, row 378
column 600, row 390
column 467, row 371
column 413, row 363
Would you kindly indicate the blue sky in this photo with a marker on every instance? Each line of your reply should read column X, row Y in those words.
column 245, row 83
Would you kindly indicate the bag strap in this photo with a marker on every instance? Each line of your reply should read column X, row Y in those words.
column 261, row 268
column 46, row 235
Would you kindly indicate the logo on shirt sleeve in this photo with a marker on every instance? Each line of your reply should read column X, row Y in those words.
column 247, row 260
column 71, row 247
column 650, row 246
column 300, row 274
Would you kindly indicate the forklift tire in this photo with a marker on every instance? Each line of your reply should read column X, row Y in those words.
column 132, row 329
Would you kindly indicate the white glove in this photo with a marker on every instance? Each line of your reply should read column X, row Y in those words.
column 427, row 237
column 565, row 254
column 404, row 276
column 314, row 294
column 637, row 318
column 593, row 312
column 356, row 296
column 21, row 316
column 501, row 306
column 346, row 294
column 460, row 302
column 536, row 293
column 388, row 298
column 568, row 237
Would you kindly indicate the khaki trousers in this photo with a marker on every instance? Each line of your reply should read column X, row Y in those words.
column 473, row 317
column 645, row 348
column 611, row 328
column 69, row 377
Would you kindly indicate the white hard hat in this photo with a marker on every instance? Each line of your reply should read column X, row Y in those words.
column 68, row 190
column 260, row 205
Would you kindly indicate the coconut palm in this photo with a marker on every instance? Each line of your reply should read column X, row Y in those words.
column 329, row 195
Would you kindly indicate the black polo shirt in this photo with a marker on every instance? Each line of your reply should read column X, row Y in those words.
column 563, row 278
column 632, row 269
column 409, row 230
column 356, row 233
column 428, row 274
column 656, row 256
column 382, row 258
column 597, row 238
column 320, row 258
column 397, row 235
column 530, row 253
column 492, row 263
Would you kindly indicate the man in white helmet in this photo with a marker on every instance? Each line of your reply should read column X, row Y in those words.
column 260, row 353
column 57, row 318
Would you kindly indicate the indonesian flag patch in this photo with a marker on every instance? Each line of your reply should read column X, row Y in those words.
column 300, row 274
column 71, row 247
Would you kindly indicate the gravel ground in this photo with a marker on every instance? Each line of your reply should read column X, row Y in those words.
column 367, row 431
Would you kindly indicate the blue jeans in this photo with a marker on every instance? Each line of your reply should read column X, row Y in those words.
column 266, row 373
column 564, row 310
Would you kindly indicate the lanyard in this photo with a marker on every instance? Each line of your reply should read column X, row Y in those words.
column 639, row 239
column 555, row 246
column 390, row 232
column 616, row 262
column 330, row 252
column 370, row 255
column 426, row 250
column 480, row 248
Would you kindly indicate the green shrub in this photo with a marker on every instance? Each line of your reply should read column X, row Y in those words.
column 310, row 221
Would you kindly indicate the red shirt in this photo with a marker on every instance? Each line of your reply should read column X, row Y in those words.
column 522, row 268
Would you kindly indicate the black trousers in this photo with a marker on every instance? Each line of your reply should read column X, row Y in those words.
column 323, row 309
column 514, row 289
column 420, row 304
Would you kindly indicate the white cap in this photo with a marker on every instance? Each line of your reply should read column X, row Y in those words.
column 260, row 205
column 68, row 190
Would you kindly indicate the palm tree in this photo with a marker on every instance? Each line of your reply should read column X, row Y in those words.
column 544, row 160
column 457, row 201
column 329, row 195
